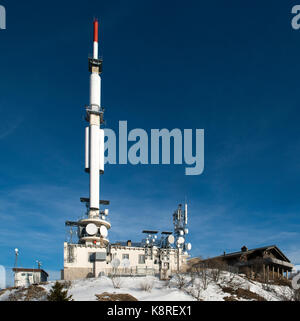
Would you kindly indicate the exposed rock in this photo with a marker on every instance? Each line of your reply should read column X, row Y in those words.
column 242, row 294
column 105, row 296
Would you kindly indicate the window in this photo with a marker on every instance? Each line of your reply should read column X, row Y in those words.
column 91, row 257
column 70, row 258
column 125, row 256
column 141, row 259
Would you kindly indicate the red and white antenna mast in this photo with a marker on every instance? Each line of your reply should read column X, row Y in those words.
column 93, row 229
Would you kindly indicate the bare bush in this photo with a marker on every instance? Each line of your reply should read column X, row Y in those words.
column 204, row 277
column 196, row 282
column 146, row 285
column 203, row 273
column 215, row 274
column 195, row 292
column 193, row 277
column 116, row 281
column 216, row 266
column 180, row 281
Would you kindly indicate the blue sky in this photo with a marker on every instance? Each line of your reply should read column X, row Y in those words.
column 229, row 67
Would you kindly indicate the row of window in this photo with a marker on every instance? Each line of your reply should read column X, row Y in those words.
column 126, row 256
column 141, row 258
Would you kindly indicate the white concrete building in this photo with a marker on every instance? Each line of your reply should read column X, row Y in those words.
column 26, row 277
column 82, row 261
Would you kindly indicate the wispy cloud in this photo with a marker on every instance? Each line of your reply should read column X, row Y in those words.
column 8, row 128
column 33, row 219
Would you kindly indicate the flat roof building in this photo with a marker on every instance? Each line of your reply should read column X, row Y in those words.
column 25, row 277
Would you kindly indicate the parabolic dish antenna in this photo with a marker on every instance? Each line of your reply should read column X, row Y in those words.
column 180, row 240
column 103, row 231
column 115, row 263
column 188, row 246
column 91, row 229
column 125, row 263
column 186, row 231
column 181, row 232
column 171, row 239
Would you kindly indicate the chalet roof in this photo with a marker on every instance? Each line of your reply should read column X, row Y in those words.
column 247, row 251
column 29, row 270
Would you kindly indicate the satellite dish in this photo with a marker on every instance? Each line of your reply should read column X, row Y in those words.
column 17, row 251
column 186, row 231
column 180, row 240
column 125, row 263
column 115, row 263
column 188, row 246
column 103, row 231
column 171, row 239
column 106, row 211
column 91, row 229
column 147, row 241
column 181, row 232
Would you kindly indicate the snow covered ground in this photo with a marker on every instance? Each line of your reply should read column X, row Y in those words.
column 85, row 290
column 228, row 286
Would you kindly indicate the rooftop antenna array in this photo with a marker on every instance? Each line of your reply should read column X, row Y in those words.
column 167, row 240
column 39, row 264
column 180, row 221
column 149, row 241
column 71, row 225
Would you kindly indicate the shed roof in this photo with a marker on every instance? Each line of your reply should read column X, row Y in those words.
column 264, row 248
column 29, row 270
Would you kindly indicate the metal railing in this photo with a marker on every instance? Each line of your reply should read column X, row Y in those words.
column 85, row 216
column 131, row 271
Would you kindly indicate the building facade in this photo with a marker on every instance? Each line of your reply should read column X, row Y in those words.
column 25, row 277
column 265, row 263
column 81, row 261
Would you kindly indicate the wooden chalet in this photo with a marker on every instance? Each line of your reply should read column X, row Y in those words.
column 267, row 262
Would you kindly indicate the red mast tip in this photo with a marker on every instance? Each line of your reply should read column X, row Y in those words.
column 95, row 30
